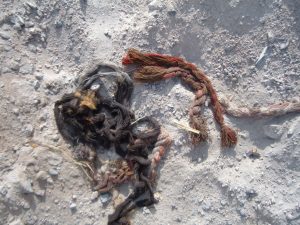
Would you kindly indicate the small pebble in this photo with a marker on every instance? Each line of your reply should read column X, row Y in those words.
column 73, row 206
column 26, row 69
column 3, row 190
column 31, row 5
column 16, row 111
column 49, row 180
column 271, row 36
column 223, row 202
column 107, row 34
column 25, row 186
column 36, row 84
column 20, row 20
column 28, row 130
column 53, row 172
column 39, row 77
column 242, row 212
column 252, row 153
column 178, row 220
column 58, row 24
column 155, row 5
column 283, row 46
column 251, row 193
column 41, row 176
column 206, row 206
column 54, row 137
column 105, row 198
column 40, row 193
column 54, row 160
column 16, row 222
column 4, row 35
column 25, row 205
column 146, row 211
column 29, row 24
column 94, row 195
column 17, row 27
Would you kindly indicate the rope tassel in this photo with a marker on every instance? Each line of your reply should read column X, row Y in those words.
column 228, row 136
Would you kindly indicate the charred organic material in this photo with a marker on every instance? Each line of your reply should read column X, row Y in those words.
column 96, row 115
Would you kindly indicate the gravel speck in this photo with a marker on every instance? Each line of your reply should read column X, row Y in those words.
column 40, row 193
column 73, row 206
column 105, row 198
column 53, row 172
column 146, row 211
column 4, row 35
column 28, row 130
column 94, row 195
column 42, row 175
column 26, row 69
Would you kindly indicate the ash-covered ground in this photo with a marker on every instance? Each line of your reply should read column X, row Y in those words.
column 47, row 45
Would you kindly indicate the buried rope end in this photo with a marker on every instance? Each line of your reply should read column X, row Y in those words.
column 228, row 136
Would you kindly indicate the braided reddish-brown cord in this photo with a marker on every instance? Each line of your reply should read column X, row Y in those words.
column 154, row 67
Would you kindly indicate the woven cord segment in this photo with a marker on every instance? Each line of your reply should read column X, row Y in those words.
column 155, row 67
column 197, row 121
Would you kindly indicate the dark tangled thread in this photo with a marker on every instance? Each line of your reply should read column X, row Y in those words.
column 96, row 115
column 155, row 67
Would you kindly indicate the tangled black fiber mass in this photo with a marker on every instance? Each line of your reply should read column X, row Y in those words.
column 98, row 114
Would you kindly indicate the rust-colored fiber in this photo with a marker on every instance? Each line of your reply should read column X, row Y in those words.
column 228, row 136
column 197, row 121
column 155, row 73
column 161, row 146
column 154, row 67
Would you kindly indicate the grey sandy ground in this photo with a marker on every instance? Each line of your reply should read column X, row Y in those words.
column 46, row 45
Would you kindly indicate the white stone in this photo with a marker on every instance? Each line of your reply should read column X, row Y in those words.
column 28, row 130
column 155, row 5
column 104, row 198
column 206, row 206
column 146, row 211
column 94, row 195
column 16, row 222
column 284, row 45
column 40, row 193
column 31, row 4
column 53, row 172
column 25, row 186
column 4, row 35
column 26, row 69
column 73, row 206
column 273, row 131
column 16, row 111
column 49, row 180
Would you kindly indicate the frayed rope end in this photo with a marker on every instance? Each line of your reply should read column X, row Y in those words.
column 228, row 136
